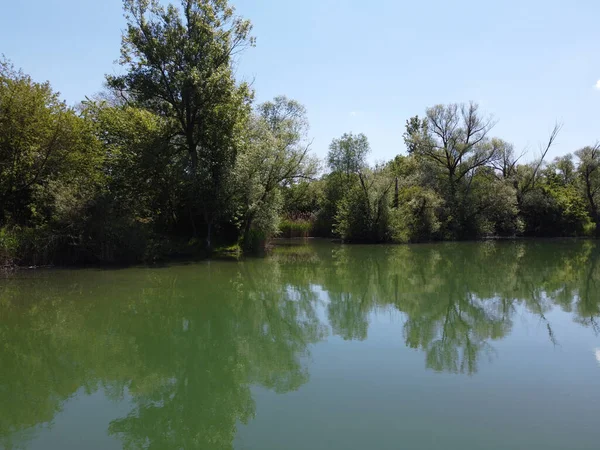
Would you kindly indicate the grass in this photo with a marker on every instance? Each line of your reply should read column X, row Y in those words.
column 299, row 227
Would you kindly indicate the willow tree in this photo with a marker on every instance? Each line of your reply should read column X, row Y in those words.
column 276, row 155
column 454, row 138
column 180, row 65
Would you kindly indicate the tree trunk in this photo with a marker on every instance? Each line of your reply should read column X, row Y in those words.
column 194, row 161
column 192, row 152
column 209, row 236
column 454, row 224
column 247, row 230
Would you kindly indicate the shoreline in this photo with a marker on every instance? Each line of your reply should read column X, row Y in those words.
column 235, row 254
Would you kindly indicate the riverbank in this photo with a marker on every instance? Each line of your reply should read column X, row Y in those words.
column 236, row 253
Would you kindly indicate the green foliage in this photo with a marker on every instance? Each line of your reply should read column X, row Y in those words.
column 555, row 207
column 9, row 245
column 179, row 66
column 416, row 218
column 174, row 158
column 334, row 187
column 363, row 213
column 348, row 154
column 554, row 210
column 346, row 159
column 492, row 206
column 42, row 141
column 454, row 138
column 304, row 197
column 296, row 226
column 49, row 167
column 275, row 157
column 416, row 205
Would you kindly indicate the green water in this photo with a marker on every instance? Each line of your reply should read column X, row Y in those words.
column 320, row 346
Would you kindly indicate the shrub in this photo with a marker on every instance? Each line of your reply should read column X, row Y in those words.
column 363, row 214
column 8, row 248
column 415, row 219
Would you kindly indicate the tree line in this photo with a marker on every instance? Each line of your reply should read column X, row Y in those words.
column 174, row 157
column 455, row 182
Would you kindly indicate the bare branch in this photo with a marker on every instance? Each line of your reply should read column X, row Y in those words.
column 551, row 140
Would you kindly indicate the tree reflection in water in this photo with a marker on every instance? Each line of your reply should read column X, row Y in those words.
column 185, row 344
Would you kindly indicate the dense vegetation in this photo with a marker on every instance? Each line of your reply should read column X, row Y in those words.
column 174, row 158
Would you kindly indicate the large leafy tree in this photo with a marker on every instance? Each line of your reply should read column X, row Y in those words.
column 454, row 138
column 46, row 150
column 143, row 187
column 180, row 66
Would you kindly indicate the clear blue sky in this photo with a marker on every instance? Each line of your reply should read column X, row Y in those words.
column 364, row 66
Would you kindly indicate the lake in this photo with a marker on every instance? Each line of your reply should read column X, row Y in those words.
column 489, row 345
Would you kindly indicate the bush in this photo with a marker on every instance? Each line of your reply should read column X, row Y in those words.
column 416, row 218
column 554, row 211
column 28, row 246
column 363, row 214
column 8, row 248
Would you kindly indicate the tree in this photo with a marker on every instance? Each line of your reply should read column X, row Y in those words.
column 50, row 171
column 363, row 213
column 526, row 177
column 493, row 205
column 416, row 202
column 180, row 66
column 348, row 154
column 346, row 159
column 42, row 142
column 589, row 172
column 276, row 155
column 555, row 206
column 506, row 161
column 454, row 138
column 143, row 189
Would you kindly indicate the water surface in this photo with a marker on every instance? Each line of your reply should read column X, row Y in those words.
column 489, row 345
